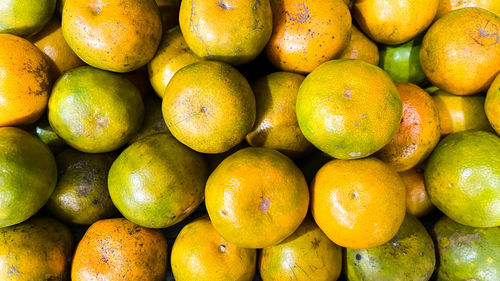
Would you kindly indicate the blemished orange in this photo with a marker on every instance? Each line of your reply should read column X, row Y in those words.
column 256, row 197
column 59, row 55
column 361, row 47
column 446, row 6
column 358, row 204
column 394, row 21
column 461, row 53
column 200, row 253
column 307, row 33
column 117, row 249
column 24, row 82
column 418, row 202
column 114, row 35
column 418, row 132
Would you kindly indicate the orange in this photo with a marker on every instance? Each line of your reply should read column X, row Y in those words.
column 361, row 47
column 348, row 108
column 153, row 119
column 359, row 204
column 169, row 12
column 117, row 249
column 209, row 106
column 418, row 202
column 307, row 254
column 24, row 83
column 492, row 104
column 307, row 33
column 460, row 52
column 60, row 56
column 115, row 35
column 25, row 17
column 226, row 30
column 139, row 78
column 276, row 124
column 460, row 113
column 172, row 55
column 200, row 253
column 446, row 6
column 394, row 21
column 418, row 131
column 256, row 197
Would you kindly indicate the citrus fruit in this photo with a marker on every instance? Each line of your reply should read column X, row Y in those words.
column 37, row 249
column 358, row 204
column 117, row 249
column 153, row 119
column 463, row 178
column 157, row 182
column 307, row 33
column 114, row 35
column 394, row 21
column 169, row 13
column 95, row 111
column 256, row 191
column 360, row 47
column 348, row 108
column 402, row 62
column 459, row 52
column 29, row 175
column 25, row 17
column 492, row 104
column 418, row 131
column 467, row 253
column 276, row 123
column 81, row 195
column 445, row 6
column 60, row 56
column 24, row 83
column 307, row 254
column 460, row 113
column 407, row 256
column 172, row 55
column 200, row 253
column 418, row 202
column 42, row 129
column 209, row 106
column 226, row 30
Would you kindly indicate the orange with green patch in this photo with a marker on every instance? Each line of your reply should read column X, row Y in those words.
column 200, row 253
column 492, row 104
column 25, row 17
column 117, row 249
column 307, row 33
column 256, row 191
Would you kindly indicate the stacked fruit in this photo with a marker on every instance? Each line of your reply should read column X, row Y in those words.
column 359, row 119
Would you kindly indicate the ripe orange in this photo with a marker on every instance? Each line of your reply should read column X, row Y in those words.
column 361, row 47
column 418, row 202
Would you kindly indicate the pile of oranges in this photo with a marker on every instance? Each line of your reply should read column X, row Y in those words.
column 234, row 140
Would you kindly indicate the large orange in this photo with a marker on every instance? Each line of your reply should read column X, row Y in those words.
column 307, row 33
column 446, row 6
column 418, row 131
column 348, row 108
column 460, row 52
column 115, row 35
column 200, row 253
column 256, row 197
column 24, row 83
column 232, row 31
column 358, row 203
column 361, row 47
column 492, row 104
column 394, row 21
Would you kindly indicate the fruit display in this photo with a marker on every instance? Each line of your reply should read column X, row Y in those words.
column 249, row 140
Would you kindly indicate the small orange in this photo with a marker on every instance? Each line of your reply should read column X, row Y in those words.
column 359, row 204
column 492, row 104
column 418, row 202
column 461, row 53
column 24, row 82
column 418, row 132
column 169, row 12
column 361, row 47
column 200, row 253
column 307, row 33
column 446, row 6
column 256, row 197
column 394, row 21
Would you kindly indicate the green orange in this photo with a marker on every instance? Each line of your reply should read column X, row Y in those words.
column 25, row 17
column 492, row 104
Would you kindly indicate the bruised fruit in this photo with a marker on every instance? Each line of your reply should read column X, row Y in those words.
column 117, row 249
column 200, row 253
column 95, row 111
column 157, row 181
column 25, row 17
column 256, row 191
column 28, row 176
